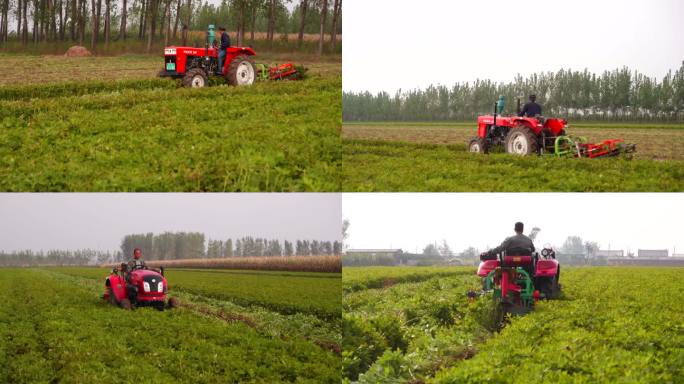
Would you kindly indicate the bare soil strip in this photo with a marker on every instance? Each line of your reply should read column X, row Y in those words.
column 652, row 143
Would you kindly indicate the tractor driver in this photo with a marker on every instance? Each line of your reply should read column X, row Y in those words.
column 136, row 262
column 531, row 109
column 518, row 245
column 225, row 43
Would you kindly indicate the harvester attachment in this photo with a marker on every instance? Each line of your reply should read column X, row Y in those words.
column 287, row 71
column 571, row 146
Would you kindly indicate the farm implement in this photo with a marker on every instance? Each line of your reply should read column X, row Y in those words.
column 538, row 135
column 195, row 65
column 517, row 279
column 138, row 287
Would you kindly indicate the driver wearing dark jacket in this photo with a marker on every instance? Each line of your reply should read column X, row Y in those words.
column 520, row 244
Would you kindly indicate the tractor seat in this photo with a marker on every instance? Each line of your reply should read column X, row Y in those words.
column 517, row 257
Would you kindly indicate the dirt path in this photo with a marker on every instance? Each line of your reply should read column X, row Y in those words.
column 652, row 143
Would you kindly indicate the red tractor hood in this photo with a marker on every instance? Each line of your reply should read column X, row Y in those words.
column 195, row 51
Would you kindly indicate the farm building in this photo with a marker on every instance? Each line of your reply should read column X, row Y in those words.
column 610, row 253
column 653, row 253
column 662, row 261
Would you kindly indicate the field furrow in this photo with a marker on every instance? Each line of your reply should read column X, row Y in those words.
column 79, row 338
column 610, row 325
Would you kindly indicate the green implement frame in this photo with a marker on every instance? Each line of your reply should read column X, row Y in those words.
column 522, row 278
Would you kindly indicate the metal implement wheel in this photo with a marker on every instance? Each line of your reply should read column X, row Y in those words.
column 477, row 145
column 195, row 78
column 241, row 71
column 521, row 141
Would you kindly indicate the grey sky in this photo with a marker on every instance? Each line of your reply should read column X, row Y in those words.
column 100, row 220
column 625, row 221
column 391, row 44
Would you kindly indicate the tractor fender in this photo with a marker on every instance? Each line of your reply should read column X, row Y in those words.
column 546, row 268
column 487, row 266
column 234, row 51
column 117, row 285
column 522, row 121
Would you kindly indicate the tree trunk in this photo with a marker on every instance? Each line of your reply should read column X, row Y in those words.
column 122, row 26
column 333, row 31
column 82, row 22
column 324, row 14
column 143, row 18
column 34, row 34
column 4, row 7
column 241, row 25
column 303, row 8
column 24, row 33
column 19, row 18
column 72, row 26
column 152, row 15
column 60, row 23
column 253, row 22
column 167, row 15
column 107, row 22
column 187, row 23
column 271, row 17
column 93, row 19
column 98, row 15
column 175, row 24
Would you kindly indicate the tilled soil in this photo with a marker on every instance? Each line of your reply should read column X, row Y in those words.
column 651, row 143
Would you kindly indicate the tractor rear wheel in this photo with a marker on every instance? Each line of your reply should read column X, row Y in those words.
column 112, row 299
column 477, row 145
column 126, row 304
column 241, row 71
column 195, row 78
column 550, row 288
column 520, row 140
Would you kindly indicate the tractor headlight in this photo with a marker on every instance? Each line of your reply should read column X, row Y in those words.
column 146, row 286
column 160, row 287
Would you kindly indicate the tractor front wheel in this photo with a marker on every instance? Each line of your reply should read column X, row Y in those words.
column 477, row 145
column 195, row 78
column 521, row 141
column 241, row 71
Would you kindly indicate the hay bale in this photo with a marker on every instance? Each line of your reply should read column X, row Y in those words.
column 77, row 51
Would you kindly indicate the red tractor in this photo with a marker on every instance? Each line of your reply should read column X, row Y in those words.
column 537, row 135
column 519, row 278
column 195, row 65
column 138, row 287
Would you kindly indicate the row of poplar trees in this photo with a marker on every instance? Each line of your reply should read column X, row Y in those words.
column 618, row 95
column 103, row 21
column 191, row 245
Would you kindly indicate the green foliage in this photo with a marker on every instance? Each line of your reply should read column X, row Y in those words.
column 55, row 330
column 361, row 345
column 424, row 324
column 280, row 136
column 611, row 325
column 356, row 279
column 398, row 166
column 614, row 325
column 619, row 94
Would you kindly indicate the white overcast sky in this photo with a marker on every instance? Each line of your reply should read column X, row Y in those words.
column 100, row 220
column 410, row 221
column 392, row 44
